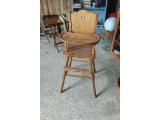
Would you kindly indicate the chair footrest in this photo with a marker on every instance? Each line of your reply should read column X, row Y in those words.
column 80, row 60
column 79, row 76
column 78, row 70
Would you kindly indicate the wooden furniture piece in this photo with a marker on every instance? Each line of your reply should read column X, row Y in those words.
column 44, row 31
column 80, row 43
column 54, row 22
column 50, row 18
column 100, row 8
column 107, row 37
column 116, row 39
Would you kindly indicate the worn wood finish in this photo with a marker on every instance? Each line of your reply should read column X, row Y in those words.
column 92, row 76
column 82, row 22
column 78, row 45
column 80, row 52
column 79, row 39
column 49, row 7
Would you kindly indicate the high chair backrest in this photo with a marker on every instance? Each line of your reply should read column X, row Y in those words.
column 83, row 22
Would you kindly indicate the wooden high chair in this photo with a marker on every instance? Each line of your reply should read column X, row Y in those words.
column 80, row 43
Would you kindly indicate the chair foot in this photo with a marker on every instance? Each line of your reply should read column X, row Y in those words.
column 63, row 79
column 56, row 47
column 64, row 75
column 94, row 88
column 55, row 44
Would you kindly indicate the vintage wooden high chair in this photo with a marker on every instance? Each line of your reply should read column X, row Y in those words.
column 80, row 43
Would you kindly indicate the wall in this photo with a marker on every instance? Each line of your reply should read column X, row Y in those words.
column 49, row 7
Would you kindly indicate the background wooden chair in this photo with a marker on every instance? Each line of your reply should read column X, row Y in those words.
column 51, row 31
column 53, row 16
column 44, row 30
column 82, row 27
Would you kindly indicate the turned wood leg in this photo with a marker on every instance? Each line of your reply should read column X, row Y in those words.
column 92, row 76
column 54, row 38
column 70, row 62
column 94, row 66
column 55, row 44
column 93, row 84
column 64, row 75
column 63, row 79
